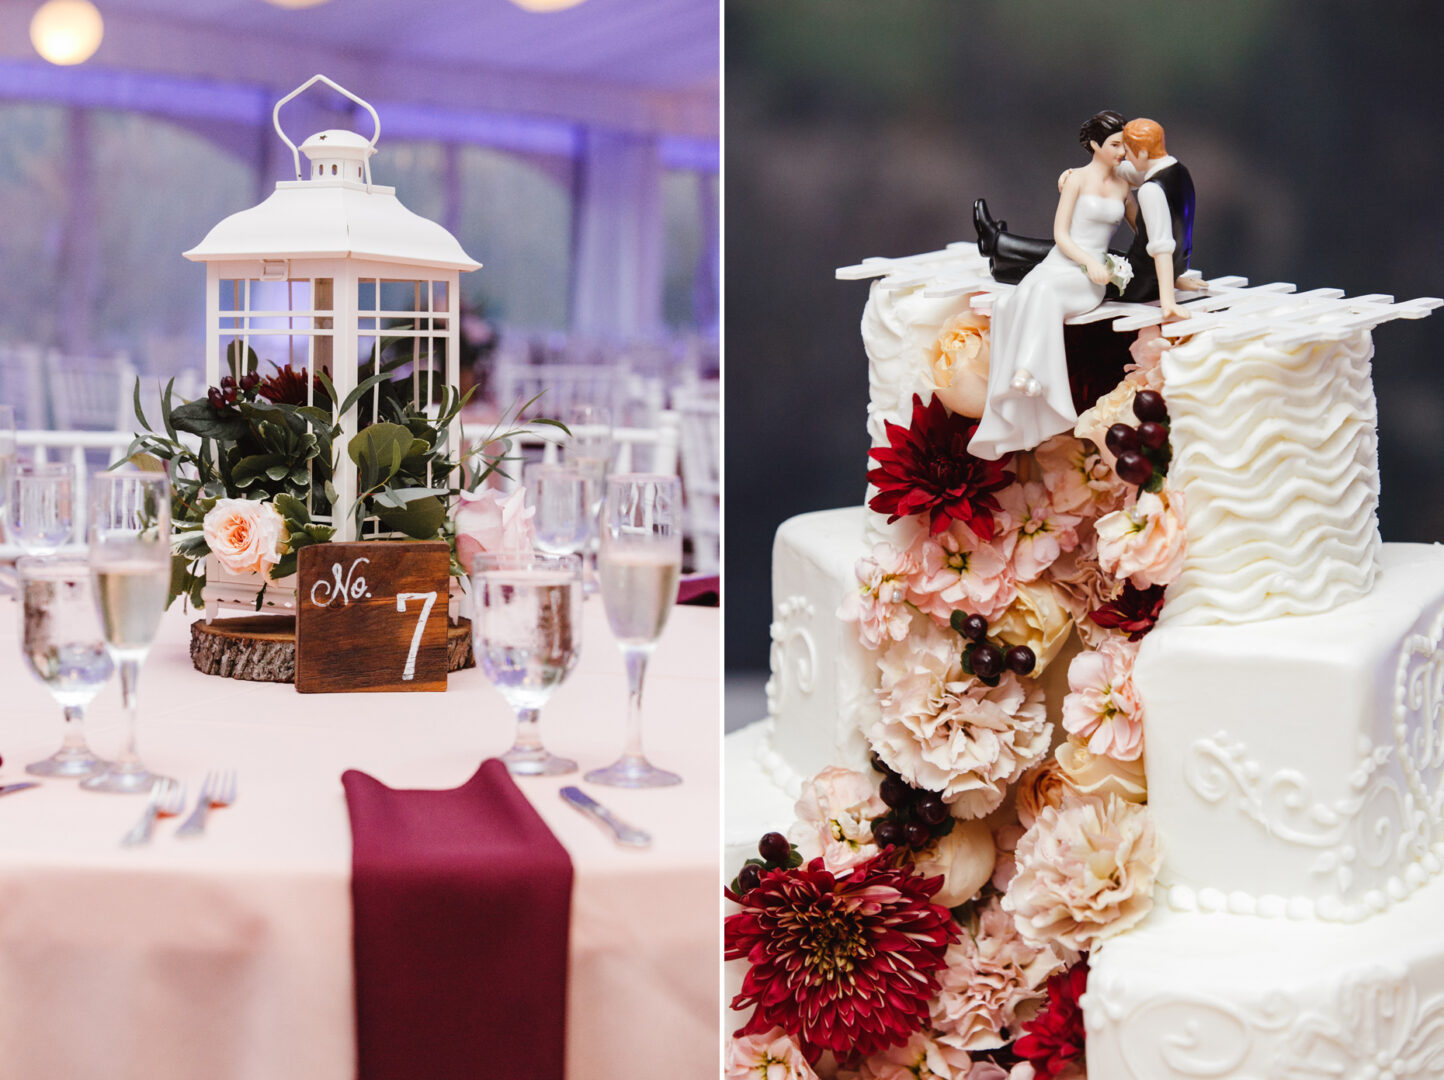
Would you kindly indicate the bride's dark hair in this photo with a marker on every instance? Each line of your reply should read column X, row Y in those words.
column 1098, row 127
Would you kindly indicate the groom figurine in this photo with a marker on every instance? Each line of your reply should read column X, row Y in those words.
column 1162, row 225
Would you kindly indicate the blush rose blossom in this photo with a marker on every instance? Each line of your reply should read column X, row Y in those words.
column 960, row 359
column 1144, row 542
column 963, row 859
column 1102, row 705
column 1100, row 774
column 492, row 523
column 1085, row 872
column 835, row 812
column 956, row 571
column 1037, row 618
column 1042, row 785
column 245, row 535
column 772, row 1055
column 878, row 605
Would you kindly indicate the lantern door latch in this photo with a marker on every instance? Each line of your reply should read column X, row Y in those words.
column 275, row 269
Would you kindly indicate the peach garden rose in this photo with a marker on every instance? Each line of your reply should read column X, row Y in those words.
column 960, row 360
column 245, row 535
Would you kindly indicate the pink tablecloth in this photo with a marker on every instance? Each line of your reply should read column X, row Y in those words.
column 230, row 957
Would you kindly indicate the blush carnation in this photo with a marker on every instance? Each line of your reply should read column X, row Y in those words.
column 1146, row 370
column 993, row 982
column 1043, row 531
column 1145, row 542
column 1054, row 1044
column 1085, row 872
column 771, row 1055
column 958, row 572
column 846, row 963
column 1103, row 705
column 1078, row 480
column 948, row 732
column 879, row 604
column 835, row 813
column 920, row 1058
column 1082, row 585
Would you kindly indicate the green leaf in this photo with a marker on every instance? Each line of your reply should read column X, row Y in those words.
column 381, row 444
column 139, row 412
column 397, row 498
column 421, row 518
column 166, row 413
column 199, row 418
column 233, row 359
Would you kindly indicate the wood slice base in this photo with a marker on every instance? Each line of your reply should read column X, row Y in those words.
column 262, row 648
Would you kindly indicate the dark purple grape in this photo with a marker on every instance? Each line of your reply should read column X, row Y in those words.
column 918, row 835
column 1132, row 468
column 1153, row 435
column 1121, row 438
column 750, row 877
column 888, row 833
column 228, row 382
column 216, row 398
column 987, row 661
column 250, row 381
column 1020, row 660
column 931, row 809
column 774, row 847
column 975, row 628
column 1149, row 405
column 896, row 792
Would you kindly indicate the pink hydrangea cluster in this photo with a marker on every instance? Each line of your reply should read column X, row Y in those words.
column 1102, row 704
column 956, row 571
column 879, row 605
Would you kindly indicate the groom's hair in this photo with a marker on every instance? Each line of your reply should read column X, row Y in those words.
column 1144, row 137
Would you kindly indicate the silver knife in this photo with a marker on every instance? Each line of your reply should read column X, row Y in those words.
column 624, row 834
column 8, row 788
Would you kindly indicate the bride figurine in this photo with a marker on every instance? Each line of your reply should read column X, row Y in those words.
column 1028, row 398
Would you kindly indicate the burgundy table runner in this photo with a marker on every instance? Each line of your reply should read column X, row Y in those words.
column 703, row 591
column 462, row 904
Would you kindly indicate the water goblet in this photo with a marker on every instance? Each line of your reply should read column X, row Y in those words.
column 130, row 566
column 526, row 626
column 41, row 506
column 559, row 496
column 589, row 451
column 639, row 563
column 7, row 456
column 63, row 646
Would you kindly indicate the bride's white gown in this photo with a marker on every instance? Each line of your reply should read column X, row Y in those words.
column 1027, row 336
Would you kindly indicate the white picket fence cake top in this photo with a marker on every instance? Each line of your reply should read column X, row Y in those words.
column 1229, row 307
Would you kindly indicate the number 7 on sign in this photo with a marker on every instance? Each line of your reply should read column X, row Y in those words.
column 409, row 672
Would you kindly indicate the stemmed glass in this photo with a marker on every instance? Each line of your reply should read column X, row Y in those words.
column 61, row 639
column 130, row 565
column 559, row 497
column 589, row 451
column 41, row 506
column 526, row 626
column 7, row 455
column 639, row 564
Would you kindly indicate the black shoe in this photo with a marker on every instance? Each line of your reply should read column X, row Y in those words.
column 986, row 227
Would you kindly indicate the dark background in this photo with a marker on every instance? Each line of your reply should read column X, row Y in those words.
column 867, row 127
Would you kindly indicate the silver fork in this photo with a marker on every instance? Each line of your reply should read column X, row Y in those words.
column 166, row 797
column 219, row 789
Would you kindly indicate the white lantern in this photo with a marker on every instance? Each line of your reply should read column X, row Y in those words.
column 322, row 271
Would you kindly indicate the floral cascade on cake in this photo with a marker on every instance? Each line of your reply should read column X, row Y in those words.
column 932, row 918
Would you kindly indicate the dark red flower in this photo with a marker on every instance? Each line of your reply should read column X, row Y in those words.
column 926, row 469
column 1133, row 610
column 288, row 387
column 846, row 963
column 1055, row 1036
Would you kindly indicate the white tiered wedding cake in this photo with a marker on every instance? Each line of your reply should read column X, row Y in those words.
column 1290, row 696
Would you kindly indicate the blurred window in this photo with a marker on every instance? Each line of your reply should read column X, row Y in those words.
column 32, row 191
column 689, row 271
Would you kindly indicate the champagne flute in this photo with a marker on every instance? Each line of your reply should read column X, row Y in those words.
column 130, row 565
column 7, row 463
column 589, row 451
column 639, row 564
column 41, row 506
column 526, row 626
column 61, row 640
column 559, row 496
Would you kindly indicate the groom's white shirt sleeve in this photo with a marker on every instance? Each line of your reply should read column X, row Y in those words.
column 1153, row 205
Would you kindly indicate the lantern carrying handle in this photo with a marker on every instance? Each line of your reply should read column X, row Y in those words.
column 312, row 81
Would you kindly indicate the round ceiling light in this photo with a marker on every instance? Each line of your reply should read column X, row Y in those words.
column 67, row 31
column 296, row 3
column 546, row 5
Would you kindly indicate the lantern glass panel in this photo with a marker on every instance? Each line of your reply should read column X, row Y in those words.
column 366, row 294
column 402, row 296
column 439, row 297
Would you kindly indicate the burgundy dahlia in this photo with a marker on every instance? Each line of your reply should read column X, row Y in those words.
column 1054, row 1037
column 1133, row 610
column 927, row 469
column 846, row 963
column 288, row 387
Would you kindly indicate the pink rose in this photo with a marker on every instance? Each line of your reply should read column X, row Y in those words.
column 490, row 522
column 245, row 535
column 955, row 571
column 1144, row 542
column 770, row 1056
column 835, row 812
column 879, row 605
column 1102, row 704
column 1042, row 785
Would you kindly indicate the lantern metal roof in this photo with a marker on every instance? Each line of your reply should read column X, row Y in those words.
column 334, row 213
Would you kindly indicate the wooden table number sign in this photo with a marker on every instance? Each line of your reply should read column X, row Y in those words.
column 372, row 617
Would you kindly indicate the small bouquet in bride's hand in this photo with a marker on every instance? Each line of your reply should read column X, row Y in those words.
column 1120, row 270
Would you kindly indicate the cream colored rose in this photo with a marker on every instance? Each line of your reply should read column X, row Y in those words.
column 963, row 858
column 1101, row 775
column 1037, row 618
column 1043, row 785
column 1114, row 407
column 960, row 364
column 245, row 535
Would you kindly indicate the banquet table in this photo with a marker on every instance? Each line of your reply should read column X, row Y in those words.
column 230, row 956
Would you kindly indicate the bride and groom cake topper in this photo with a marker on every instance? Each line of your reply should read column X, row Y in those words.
column 1028, row 398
